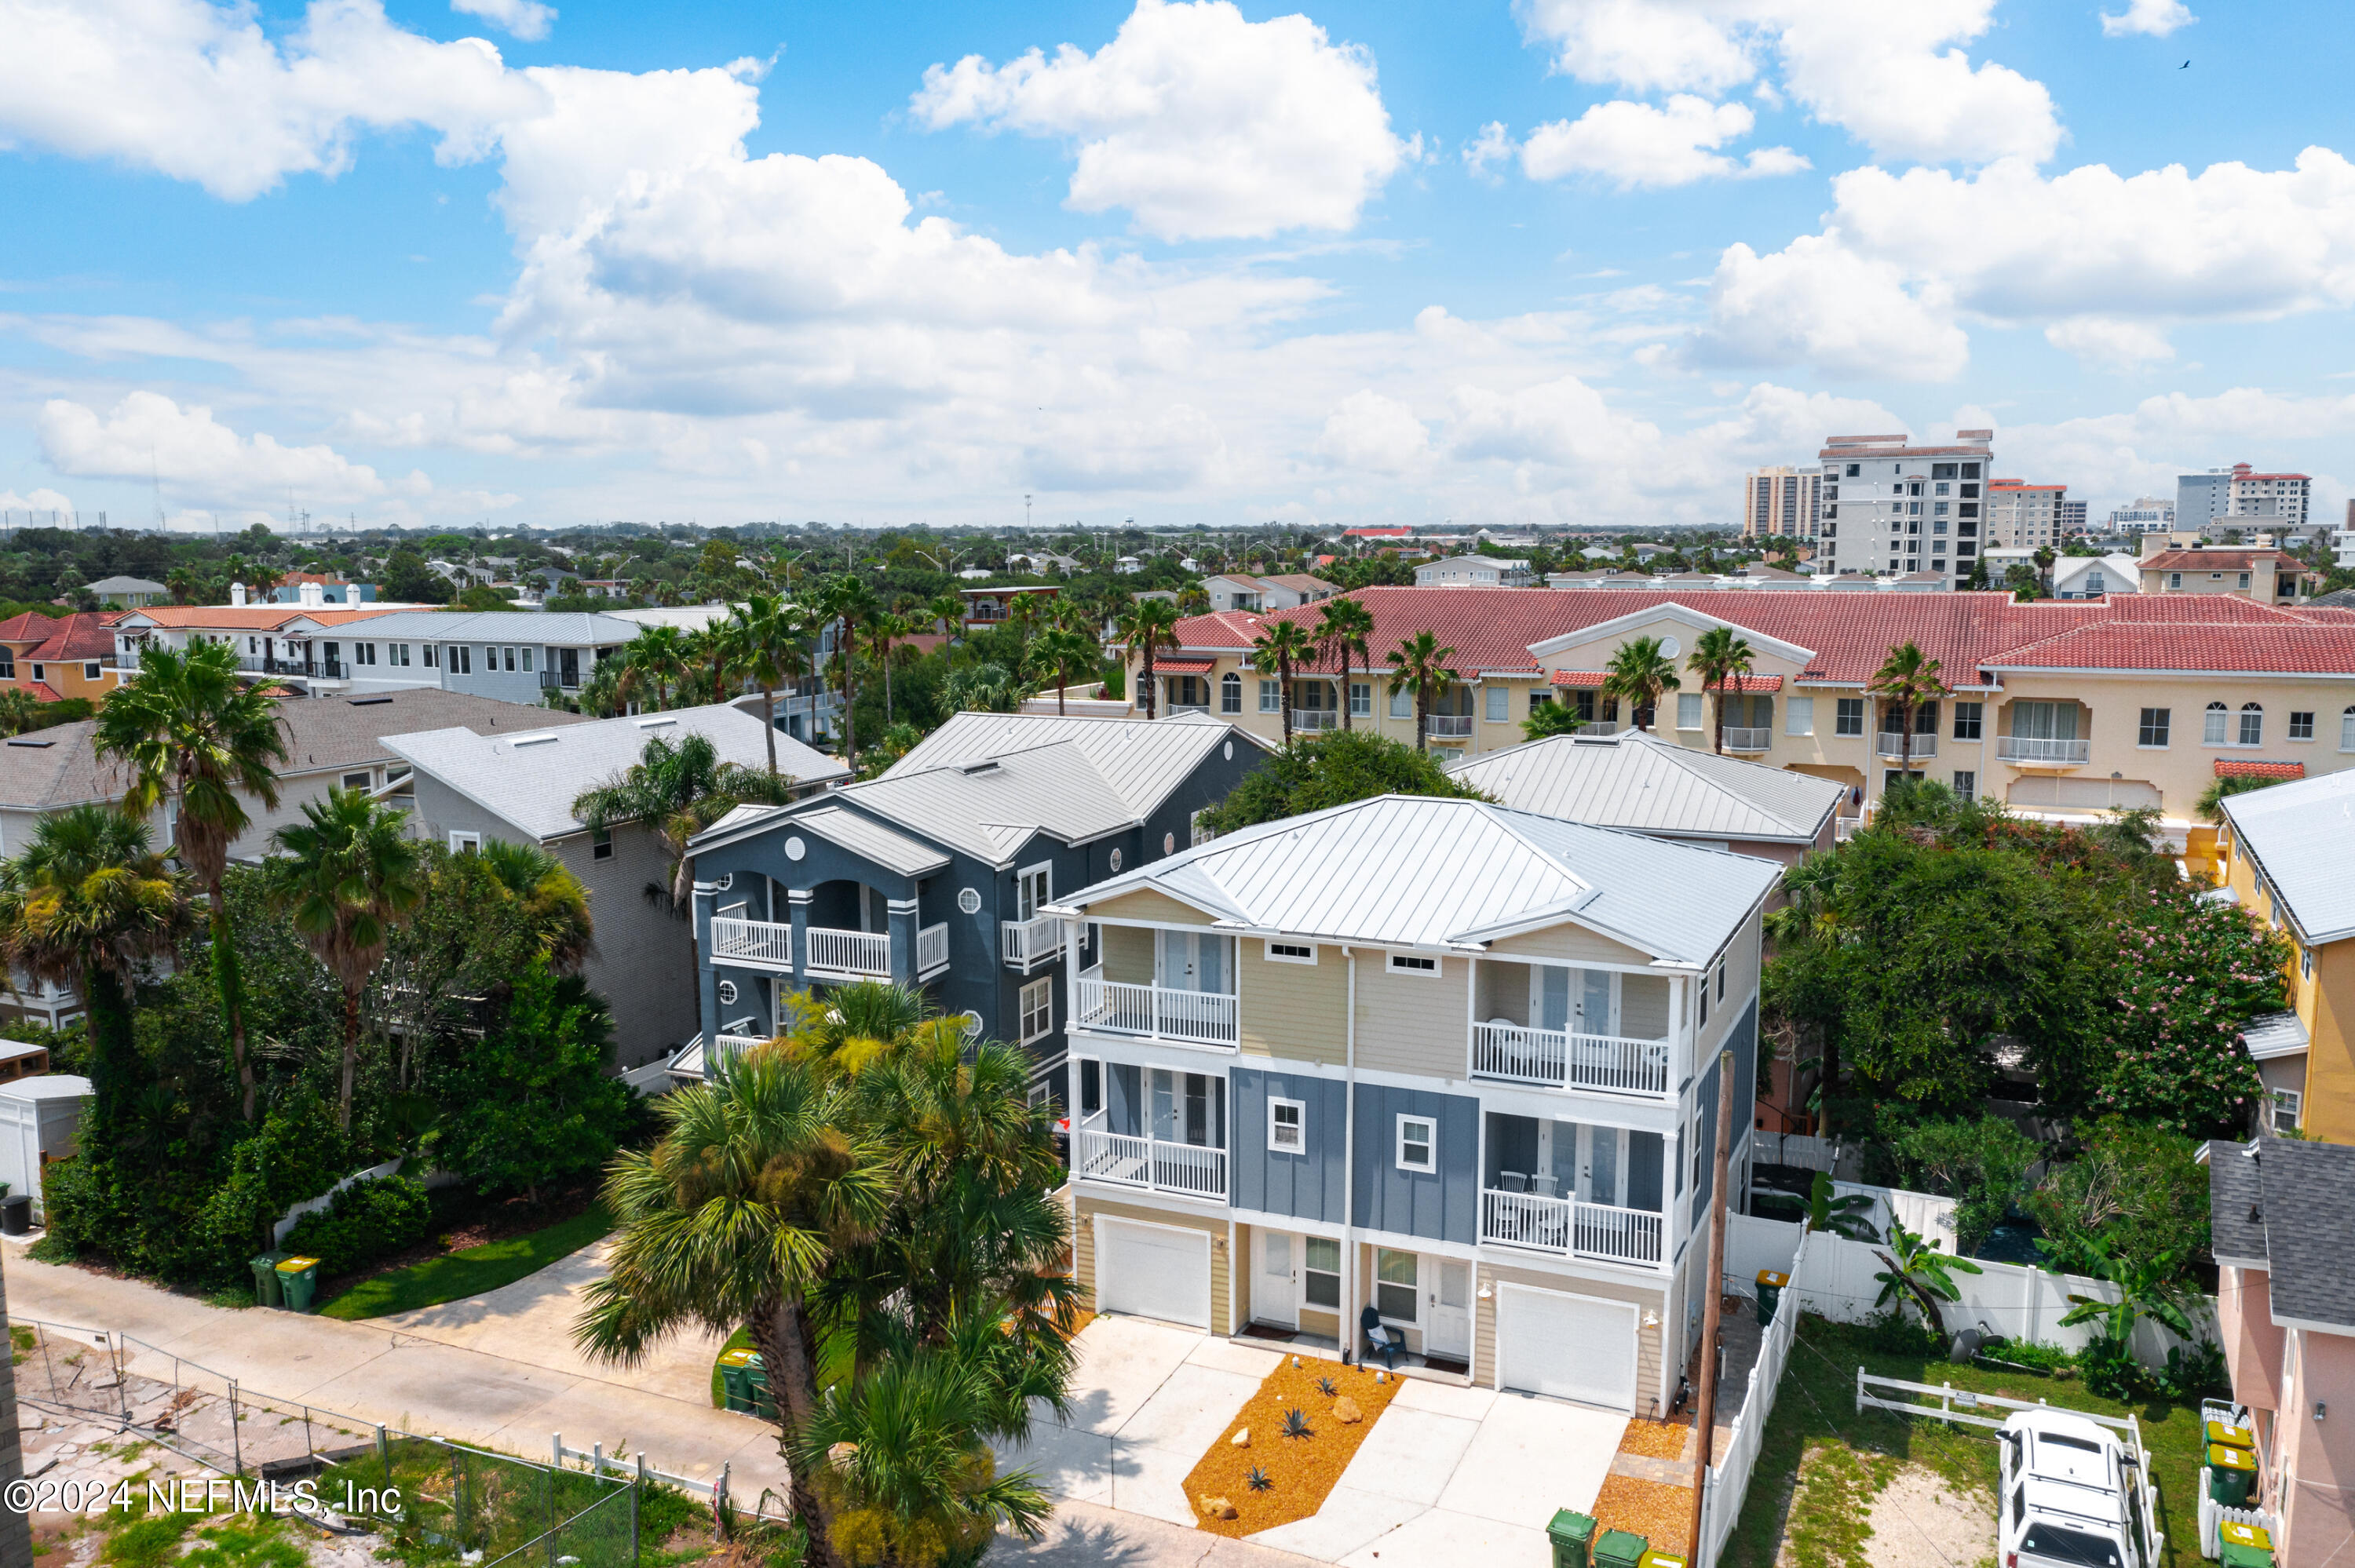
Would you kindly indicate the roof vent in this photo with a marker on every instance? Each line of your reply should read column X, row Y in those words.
column 365, row 701
column 987, row 765
column 26, row 740
column 656, row 723
column 545, row 738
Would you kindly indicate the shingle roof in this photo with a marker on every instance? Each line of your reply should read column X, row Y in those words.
column 2236, row 1228
column 2302, row 837
column 1418, row 872
column 2289, row 1208
column 126, row 585
column 1651, row 786
column 531, row 777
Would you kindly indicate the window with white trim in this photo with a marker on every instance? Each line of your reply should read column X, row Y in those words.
column 1320, row 1273
column 1290, row 952
column 465, row 843
column 1362, row 699
column 2153, row 728
column 2346, row 730
column 1397, row 1290
column 2216, row 725
column 2301, row 726
column 1850, row 719
column 1037, row 1010
column 1402, row 703
column 1270, row 695
column 1689, row 710
column 1498, row 704
column 1418, row 1143
column 1230, row 693
column 1287, row 1127
column 1966, row 784
column 2253, row 723
column 1413, row 964
column 1799, row 715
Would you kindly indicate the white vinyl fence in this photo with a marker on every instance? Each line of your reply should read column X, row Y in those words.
column 1748, row 1250
column 278, row 1231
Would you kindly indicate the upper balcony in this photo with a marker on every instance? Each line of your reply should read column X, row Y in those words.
column 1304, row 719
column 1894, row 746
column 2038, row 751
column 1590, row 1030
column 1026, row 944
column 834, row 954
column 1152, row 1164
column 1157, row 1012
column 756, row 944
column 1567, row 1227
column 1449, row 727
column 1752, row 738
column 1560, row 1059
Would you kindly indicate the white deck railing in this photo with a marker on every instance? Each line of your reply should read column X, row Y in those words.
column 2034, row 748
column 1845, row 828
column 1185, row 1168
column 1316, row 718
column 1198, row 1017
column 1025, row 944
column 932, row 949
column 1563, row 1060
column 1894, row 745
column 1450, row 726
column 863, row 955
column 1566, row 1225
column 1747, row 739
column 765, row 942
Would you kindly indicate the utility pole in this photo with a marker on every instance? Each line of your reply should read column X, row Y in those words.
column 1704, row 1410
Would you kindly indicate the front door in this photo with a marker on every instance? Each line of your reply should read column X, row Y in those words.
column 1275, row 1294
column 1033, row 888
column 1191, row 961
column 1447, row 1328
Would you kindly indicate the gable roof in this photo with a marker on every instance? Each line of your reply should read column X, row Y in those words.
column 245, row 618
column 2205, row 559
column 1407, row 871
column 2302, row 837
column 75, row 636
column 126, row 585
column 529, row 778
column 2287, row 1206
column 1648, row 784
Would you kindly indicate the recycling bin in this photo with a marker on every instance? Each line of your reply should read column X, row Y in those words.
column 298, row 1281
column 1662, row 1560
column 15, row 1212
column 2232, row 1475
column 736, row 1377
column 2245, row 1545
column 265, row 1280
column 1572, row 1534
column 2230, row 1435
column 1619, row 1549
column 1770, row 1294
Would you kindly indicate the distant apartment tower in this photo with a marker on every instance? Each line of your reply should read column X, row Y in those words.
column 2024, row 516
column 1781, row 504
column 2148, row 514
column 2209, row 501
column 2073, row 517
column 1889, row 507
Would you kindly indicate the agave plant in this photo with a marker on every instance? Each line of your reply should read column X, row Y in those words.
column 1257, row 1479
column 1295, row 1424
column 1325, row 1386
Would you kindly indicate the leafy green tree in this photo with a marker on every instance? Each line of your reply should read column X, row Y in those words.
column 552, row 899
column 1919, row 1273
column 1843, row 1216
column 2140, row 1189
column 1640, row 674
column 1980, row 1163
column 1421, row 665
column 407, row 580
column 1331, row 770
column 677, row 788
column 532, row 1101
column 985, row 687
column 195, row 735
column 1721, row 657
column 1551, row 717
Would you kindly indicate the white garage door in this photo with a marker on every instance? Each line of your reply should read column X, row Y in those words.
column 1154, row 1271
column 1572, row 1346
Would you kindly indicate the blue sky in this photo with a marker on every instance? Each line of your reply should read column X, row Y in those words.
column 1569, row 260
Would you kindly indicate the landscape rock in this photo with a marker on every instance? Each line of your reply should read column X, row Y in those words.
column 1345, row 1411
column 1217, row 1508
column 1242, row 1440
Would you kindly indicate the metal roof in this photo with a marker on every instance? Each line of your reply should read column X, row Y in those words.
column 2302, row 836
column 1141, row 760
column 1648, row 785
column 585, row 628
column 532, row 779
column 2275, row 1034
column 865, row 837
column 1417, row 872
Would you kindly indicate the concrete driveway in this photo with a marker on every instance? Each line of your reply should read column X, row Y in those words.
column 1448, row 1476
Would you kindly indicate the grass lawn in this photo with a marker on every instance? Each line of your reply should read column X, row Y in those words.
column 458, row 1275
column 1816, row 1408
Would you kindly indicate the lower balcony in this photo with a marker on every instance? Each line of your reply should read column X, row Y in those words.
column 2037, row 751
column 1748, row 738
column 1304, row 719
column 1566, row 1227
column 760, row 944
column 1151, row 1164
column 1449, row 727
column 1894, row 746
column 1157, row 1012
column 1558, row 1059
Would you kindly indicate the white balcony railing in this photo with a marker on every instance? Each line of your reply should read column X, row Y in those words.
column 1565, row 1225
column 1750, row 738
column 768, row 943
column 1450, row 726
column 2033, row 749
column 858, row 955
column 1176, row 707
column 1893, row 745
column 1563, row 1060
column 1845, row 828
column 1185, row 1169
column 1026, row 944
column 931, row 950
column 1197, row 1017
column 1316, row 718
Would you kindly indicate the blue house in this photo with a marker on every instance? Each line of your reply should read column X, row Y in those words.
column 937, row 874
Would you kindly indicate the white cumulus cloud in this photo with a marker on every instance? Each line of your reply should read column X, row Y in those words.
column 2152, row 18
column 147, row 434
column 1817, row 301
column 1493, row 146
column 1202, row 124
column 1374, row 433
column 525, row 19
column 1639, row 144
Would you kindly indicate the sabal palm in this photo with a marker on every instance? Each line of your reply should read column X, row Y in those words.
column 1283, row 645
column 1721, row 657
column 1344, row 625
column 946, row 612
column 850, row 604
column 761, row 640
column 83, row 906
column 883, row 634
column 730, row 1222
column 679, row 788
column 1151, row 624
column 1057, row 652
column 1551, row 717
column 1639, row 674
column 192, row 732
column 553, row 901
column 652, row 663
column 1906, row 680
column 18, row 709
column 346, row 875
column 1421, row 665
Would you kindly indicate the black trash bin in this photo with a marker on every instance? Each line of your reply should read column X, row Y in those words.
column 16, row 1214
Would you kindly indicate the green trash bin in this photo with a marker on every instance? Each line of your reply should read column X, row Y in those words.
column 1770, row 1294
column 298, row 1281
column 265, row 1280
column 757, row 1387
column 1572, row 1534
column 1619, row 1549
column 2245, row 1545
column 2232, row 1475
column 736, row 1376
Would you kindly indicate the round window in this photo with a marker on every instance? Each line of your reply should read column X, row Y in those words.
column 1116, row 860
column 969, row 900
column 795, row 849
column 725, row 883
column 1168, row 844
column 727, row 993
column 1670, row 647
column 972, row 1024
column 1230, row 749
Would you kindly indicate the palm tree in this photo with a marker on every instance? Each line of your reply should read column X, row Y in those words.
column 1343, row 627
column 1421, row 663
column 1551, row 717
column 18, row 709
column 2210, row 807
column 346, row 874
column 850, row 604
column 946, row 612
column 83, row 906
column 762, row 638
column 882, row 635
column 1639, row 674
column 730, row 1221
column 654, row 659
column 1057, row 652
column 677, row 788
column 1280, row 646
column 1150, row 624
column 553, row 900
column 195, row 735
column 1906, row 680
column 1721, row 657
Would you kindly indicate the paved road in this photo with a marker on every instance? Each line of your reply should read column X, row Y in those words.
column 500, row 1369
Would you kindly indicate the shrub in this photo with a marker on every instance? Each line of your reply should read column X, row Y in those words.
column 1895, row 1332
column 2112, row 1372
column 2196, row 1372
column 2138, row 1190
column 368, row 1220
column 1979, row 1164
column 2034, row 1356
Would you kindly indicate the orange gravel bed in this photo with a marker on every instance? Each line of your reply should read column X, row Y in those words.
column 1656, row 1439
column 1661, row 1514
column 1304, row 1470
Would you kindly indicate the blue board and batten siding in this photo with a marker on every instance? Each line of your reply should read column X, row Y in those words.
column 1443, row 1205
column 1306, row 1185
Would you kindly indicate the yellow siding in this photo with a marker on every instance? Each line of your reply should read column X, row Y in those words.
column 2329, row 1112
column 1649, row 1387
column 1145, row 903
column 1644, row 1006
column 1127, row 954
column 1083, row 1246
column 1298, row 1011
column 1571, row 944
column 1411, row 1024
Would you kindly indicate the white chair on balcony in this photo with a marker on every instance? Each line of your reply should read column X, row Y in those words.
column 1544, row 1185
column 1512, row 1182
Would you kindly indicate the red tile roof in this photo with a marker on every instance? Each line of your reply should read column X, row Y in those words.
column 1596, row 677
column 75, row 636
column 2227, row 767
column 30, row 627
column 1167, row 665
column 2215, row 560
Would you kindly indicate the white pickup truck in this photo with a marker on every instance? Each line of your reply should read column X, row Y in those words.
column 2073, row 1495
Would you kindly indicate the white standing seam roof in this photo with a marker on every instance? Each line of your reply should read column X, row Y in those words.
column 530, row 779
column 866, row 837
column 1404, row 871
column 2302, row 836
column 2274, row 1035
column 1652, row 786
column 1141, row 760
column 586, row 629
